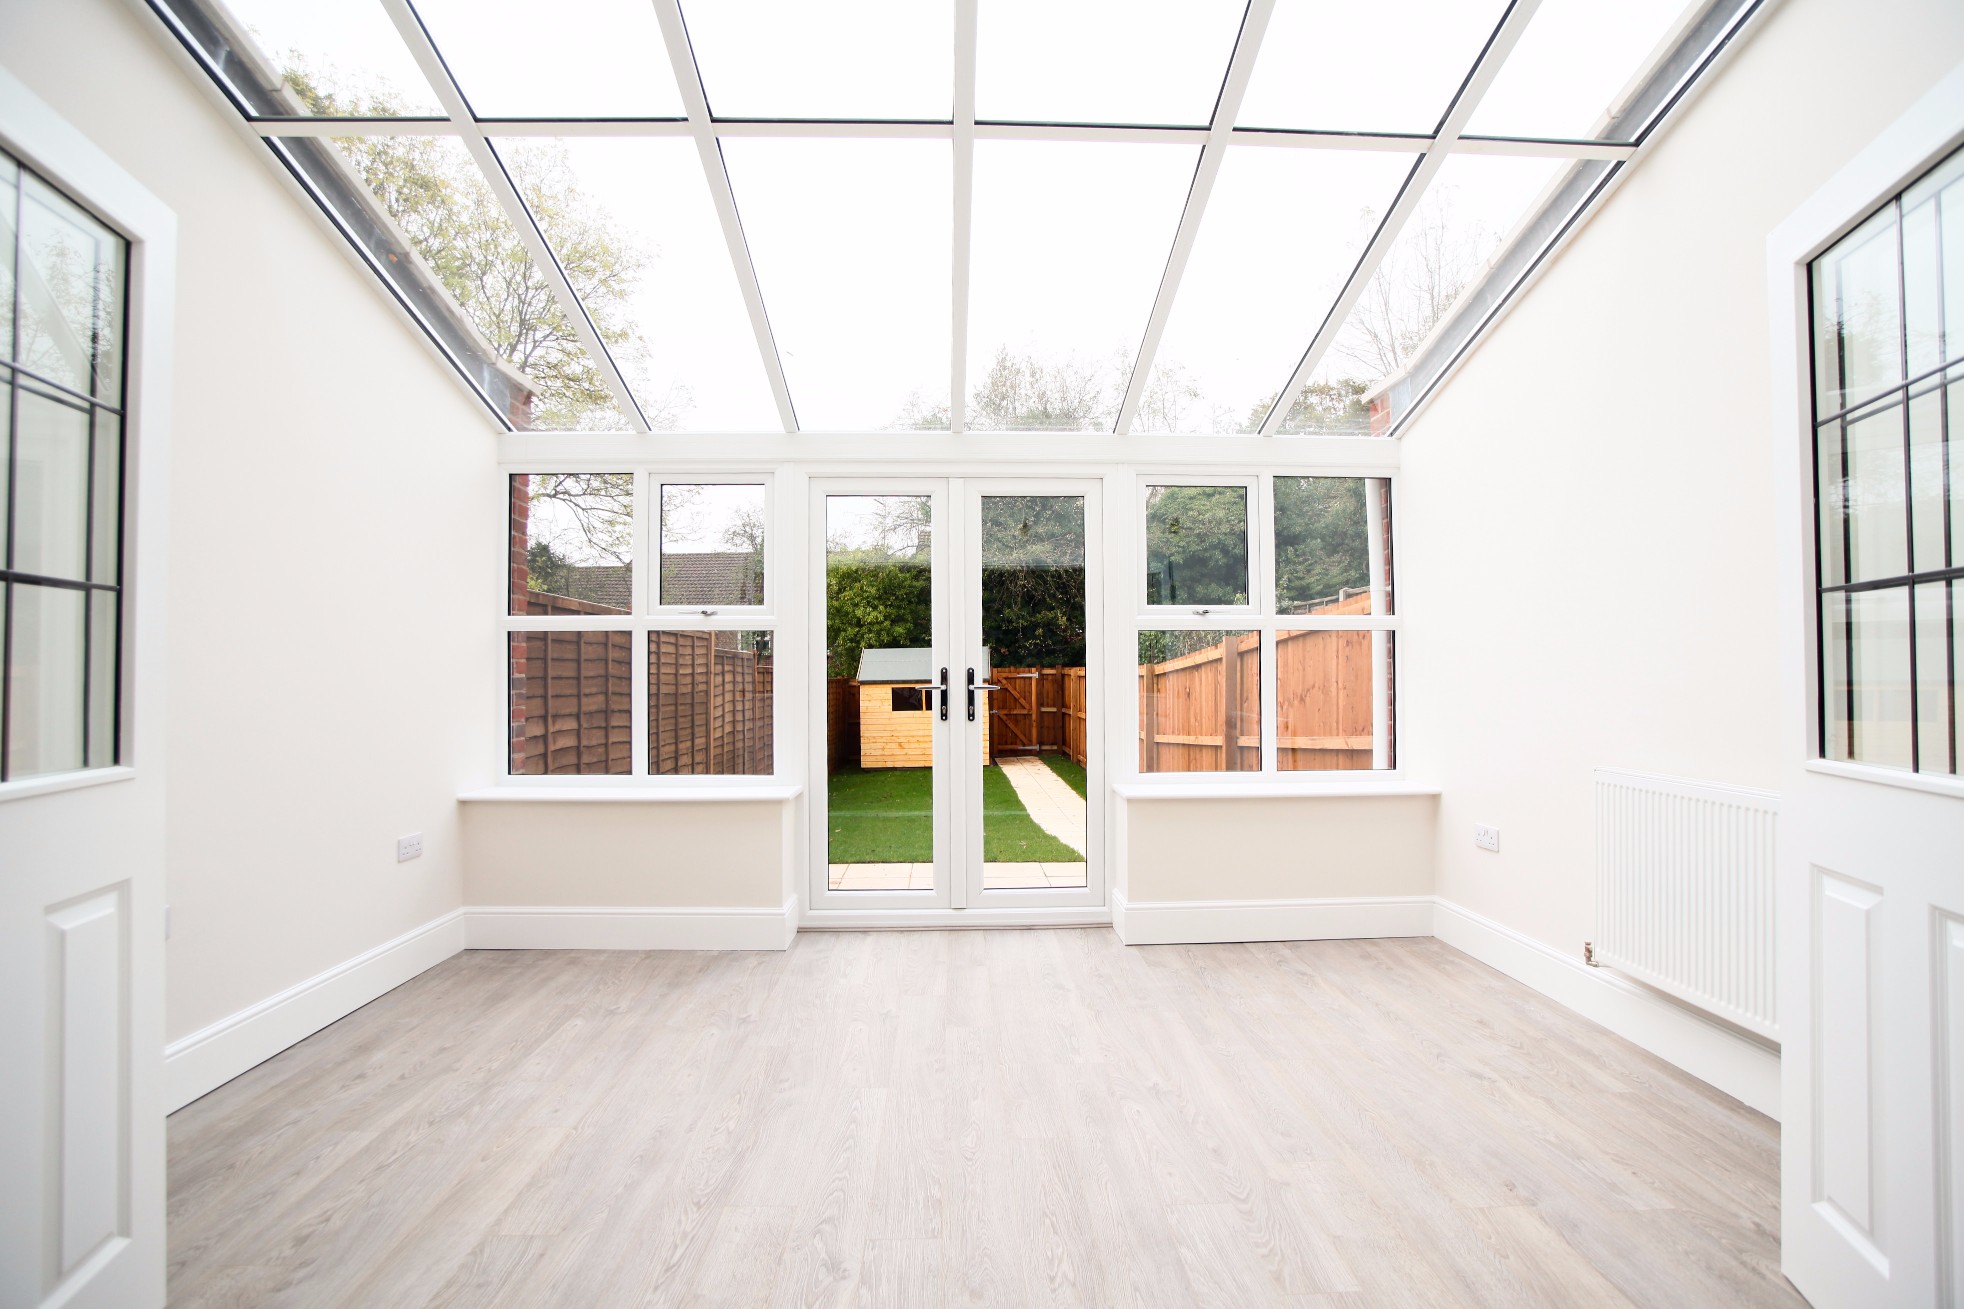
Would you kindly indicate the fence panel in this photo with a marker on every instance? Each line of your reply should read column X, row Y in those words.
column 1323, row 700
column 1201, row 712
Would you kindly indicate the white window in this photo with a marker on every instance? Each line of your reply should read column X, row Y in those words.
column 1266, row 626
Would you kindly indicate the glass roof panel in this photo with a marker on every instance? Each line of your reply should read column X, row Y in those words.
column 1059, row 293
column 824, row 58
column 594, row 59
column 1283, row 231
column 1103, row 61
column 851, row 243
column 338, row 58
column 1472, row 207
column 1573, row 65
column 432, row 191
column 632, row 223
column 1405, row 85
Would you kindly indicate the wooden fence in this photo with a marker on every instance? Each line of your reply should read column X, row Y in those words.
column 1038, row 711
column 841, row 723
column 572, row 705
column 709, row 705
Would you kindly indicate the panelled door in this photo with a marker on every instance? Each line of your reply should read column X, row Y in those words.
column 952, row 752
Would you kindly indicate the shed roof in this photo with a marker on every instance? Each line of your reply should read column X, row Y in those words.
column 896, row 665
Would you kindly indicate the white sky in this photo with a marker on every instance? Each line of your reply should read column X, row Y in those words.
column 695, row 517
column 850, row 239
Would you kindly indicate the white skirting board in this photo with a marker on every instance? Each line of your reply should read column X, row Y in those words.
column 214, row 1055
column 1193, row 922
column 613, row 927
column 1736, row 1064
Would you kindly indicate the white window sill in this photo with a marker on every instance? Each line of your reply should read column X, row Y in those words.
column 630, row 795
column 64, row 782
column 1275, row 790
column 1935, row 784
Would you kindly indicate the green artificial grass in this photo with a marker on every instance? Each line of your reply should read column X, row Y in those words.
column 1067, row 768
column 886, row 816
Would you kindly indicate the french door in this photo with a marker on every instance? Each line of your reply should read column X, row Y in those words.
column 954, row 736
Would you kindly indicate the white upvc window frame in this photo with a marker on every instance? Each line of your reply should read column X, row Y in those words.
column 1261, row 616
column 645, row 617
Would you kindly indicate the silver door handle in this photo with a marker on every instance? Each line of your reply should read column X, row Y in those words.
column 973, row 687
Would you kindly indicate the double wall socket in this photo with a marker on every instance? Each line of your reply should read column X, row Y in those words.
column 409, row 847
column 1487, row 838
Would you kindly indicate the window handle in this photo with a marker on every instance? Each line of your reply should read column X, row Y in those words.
column 1202, row 613
column 944, row 695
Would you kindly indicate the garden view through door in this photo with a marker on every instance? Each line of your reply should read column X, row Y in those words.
column 955, row 746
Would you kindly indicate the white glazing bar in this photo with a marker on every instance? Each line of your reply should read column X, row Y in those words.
column 964, row 212
column 1505, row 37
column 423, row 50
column 689, row 81
column 1241, row 66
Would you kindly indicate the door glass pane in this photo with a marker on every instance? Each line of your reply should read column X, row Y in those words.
column 44, row 733
column 1197, row 545
column 51, row 487
column 1033, row 739
column 1200, row 702
column 879, row 639
column 1936, row 681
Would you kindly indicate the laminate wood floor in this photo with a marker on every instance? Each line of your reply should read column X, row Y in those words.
column 972, row 1118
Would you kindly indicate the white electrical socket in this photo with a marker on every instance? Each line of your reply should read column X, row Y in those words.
column 409, row 847
column 1487, row 838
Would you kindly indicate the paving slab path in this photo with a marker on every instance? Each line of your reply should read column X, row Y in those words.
column 1054, row 806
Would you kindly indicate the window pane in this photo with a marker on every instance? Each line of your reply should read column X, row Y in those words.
column 572, row 543
column 104, row 669
column 1572, row 66
column 1926, row 474
column 634, row 221
column 1103, row 61
column 1326, row 688
column 1923, row 283
column 825, row 59
column 572, row 709
column 9, row 202
column 1403, row 85
column 1332, row 539
column 1878, row 545
column 1059, row 294
column 1473, row 205
column 1200, row 702
column 1858, row 337
column 51, row 487
column 71, row 294
column 594, row 59
column 1197, row 545
column 433, row 191
column 1292, row 222
column 709, row 703
column 44, row 733
column 1936, row 716
column 1867, row 676
column 712, row 545
column 105, row 553
column 850, row 240
column 1837, row 727
column 338, row 58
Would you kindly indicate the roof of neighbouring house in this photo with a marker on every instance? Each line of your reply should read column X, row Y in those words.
column 733, row 577
column 602, row 584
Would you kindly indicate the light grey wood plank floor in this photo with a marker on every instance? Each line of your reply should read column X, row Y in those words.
column 972, row 1118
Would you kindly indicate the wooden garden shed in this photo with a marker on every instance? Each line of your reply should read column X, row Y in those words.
column 896, row 708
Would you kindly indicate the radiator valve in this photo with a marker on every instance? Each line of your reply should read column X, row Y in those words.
column 1589, row 954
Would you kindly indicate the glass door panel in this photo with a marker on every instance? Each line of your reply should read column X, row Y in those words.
column 884, row 723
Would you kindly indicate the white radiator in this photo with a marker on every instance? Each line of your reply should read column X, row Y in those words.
column 1684, row 891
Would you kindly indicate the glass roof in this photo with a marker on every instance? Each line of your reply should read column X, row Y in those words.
column 1115, row 215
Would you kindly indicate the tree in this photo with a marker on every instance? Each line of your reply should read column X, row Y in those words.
column 436, row 195
column 1197, row 545
column 1333, row 408
column 1322, row 540
column 1033, row 580
column 1433, row 262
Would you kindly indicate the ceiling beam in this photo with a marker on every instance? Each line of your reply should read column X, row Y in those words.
column 964, row 212
column 688, row 80
column 424, row 51
column 1220, row 130
column 1505, row 37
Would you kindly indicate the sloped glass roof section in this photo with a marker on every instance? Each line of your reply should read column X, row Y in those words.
column 1200, row 217
column 594, row 59
column 1401, row 85
column 1103, row 61
column 1059, row 294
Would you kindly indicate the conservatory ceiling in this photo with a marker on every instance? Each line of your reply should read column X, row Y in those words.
column 1127, row 216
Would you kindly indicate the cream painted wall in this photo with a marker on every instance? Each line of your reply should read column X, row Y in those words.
column 328, row 610
column 1277, row 849
column 730, row 854
column 1586, row 520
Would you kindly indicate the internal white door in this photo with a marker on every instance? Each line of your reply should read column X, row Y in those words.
column 954, row 702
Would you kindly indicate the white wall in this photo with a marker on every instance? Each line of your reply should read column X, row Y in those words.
column 1588, row 567
column 332, row 497
column 669, row 854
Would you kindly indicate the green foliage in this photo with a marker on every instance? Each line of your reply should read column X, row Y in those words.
column 1033, row 581
column 1323, row 408
column 1158, row 647
column 874, row 601
column 1197, row 545
column 1321, row 540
